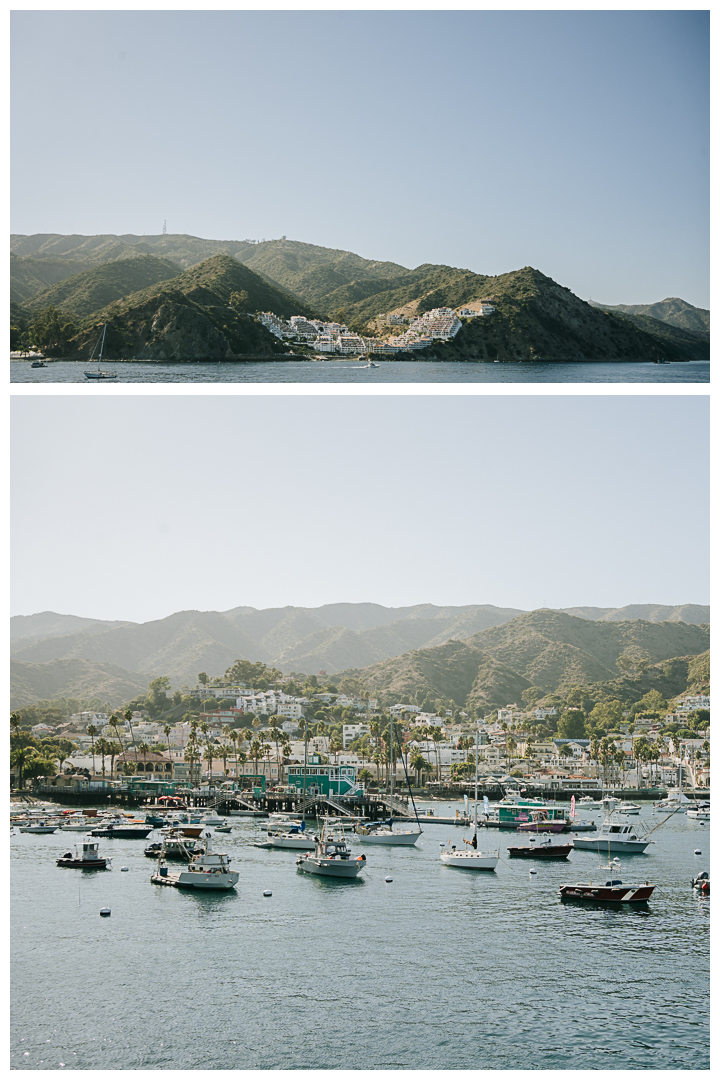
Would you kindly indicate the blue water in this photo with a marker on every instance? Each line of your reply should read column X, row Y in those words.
column 350, row 371
column 439, row 969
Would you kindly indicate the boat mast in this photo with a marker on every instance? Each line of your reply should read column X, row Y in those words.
column 392, row 765
column 477, row 752
column 305, row 772
column 102, row 344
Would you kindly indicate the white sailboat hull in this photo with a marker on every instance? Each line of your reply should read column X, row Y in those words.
column 470, row 860
column 604, row 844
column 379, row 836
column 290, row 843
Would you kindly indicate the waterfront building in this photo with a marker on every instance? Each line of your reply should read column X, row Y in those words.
column 317, row 779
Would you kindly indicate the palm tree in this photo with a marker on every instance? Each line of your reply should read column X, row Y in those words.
column 144, row 749
column 437, row 737
column 166, row 732
column 92, row 732
column 15, row 721
column 114, row 722
column 255, row 752
column 19, row 759
column 276, row 734
column 103, row 749
column 115, row 748
column 128, row 715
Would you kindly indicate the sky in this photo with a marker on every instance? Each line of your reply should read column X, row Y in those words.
column 576, row 142
column 134, row 507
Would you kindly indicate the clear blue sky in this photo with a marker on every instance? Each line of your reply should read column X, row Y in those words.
column 573, row 141
column 132, row 507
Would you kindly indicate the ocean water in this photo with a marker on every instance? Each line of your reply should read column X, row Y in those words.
column 351, row 371
column 438, row 969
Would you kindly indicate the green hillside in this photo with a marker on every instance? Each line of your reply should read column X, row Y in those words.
column 30, row 276
column 92, row 290
column 673, row 311
column 191, row 317
column 547, row 652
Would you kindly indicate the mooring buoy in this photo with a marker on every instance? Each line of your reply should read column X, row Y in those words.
column 698, row 851
column 123, row 869
column 388, row 879
column 267, row 892
column 105, row 911
column 533, row 871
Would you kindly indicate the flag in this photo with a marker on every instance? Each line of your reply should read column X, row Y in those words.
column 486, row 804
column 572, row 808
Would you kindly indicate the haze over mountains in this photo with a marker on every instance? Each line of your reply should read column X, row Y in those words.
column 65, row 655
column 535, row 317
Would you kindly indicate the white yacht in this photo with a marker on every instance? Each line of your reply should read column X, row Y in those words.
column 615, row 834
column 39, row 827
column 676, row 799
column 701, row 812
column 289, row 835
column 78, row 823
column 331, row 857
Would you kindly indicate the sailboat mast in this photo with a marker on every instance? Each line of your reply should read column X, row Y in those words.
column 102, row 343
column 305, row 772
column 392, row 764
column 477, row 752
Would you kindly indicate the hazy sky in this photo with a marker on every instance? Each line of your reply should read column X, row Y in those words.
column 133, row 507
column 573, row 141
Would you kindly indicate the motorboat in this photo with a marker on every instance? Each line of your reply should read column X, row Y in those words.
column 176, row 846
column 212, row 819
column 78, row 823
column 543, row 849
column 700, row 812
column 38, row 363
column 289, row 835
column 541, row 822
column 382, row 832
column 88, row 860
column 210, row 870
column 39, row 827
column 702, row 883
column 608, row 888
column 187, row 830
column 628, row 808
column 676, row 799
column 123, row 831
column 579, row 825
column 331, row 856
column 615, row 834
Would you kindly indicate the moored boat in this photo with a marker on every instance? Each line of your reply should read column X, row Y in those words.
column 615, row 834
column 211, row 870
column 382, row 832
column 700, row 812
column 88, row 860
column 39, row 827
column 545, row 849
column 123, row 832
column 331, row 856
column 608, row 888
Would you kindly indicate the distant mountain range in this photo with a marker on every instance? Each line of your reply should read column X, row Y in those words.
column 546, row 652
column 65, row 655
column 535, row 317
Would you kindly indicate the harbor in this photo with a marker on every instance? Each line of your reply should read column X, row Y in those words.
column 334, row 954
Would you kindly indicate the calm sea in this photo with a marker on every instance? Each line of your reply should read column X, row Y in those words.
column 438, row 969
column 351, row 371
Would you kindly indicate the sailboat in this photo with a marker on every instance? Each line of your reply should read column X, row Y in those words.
column 471, row 858
column 100, row 374
column 382, row 832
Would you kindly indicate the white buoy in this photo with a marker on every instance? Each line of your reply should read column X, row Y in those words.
column 105, row 911
column 388, row 879
column 123, row 869
column 267, row 892
column 698, row 851
column 533, row 871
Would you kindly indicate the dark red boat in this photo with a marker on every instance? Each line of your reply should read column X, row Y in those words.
column 611, row 890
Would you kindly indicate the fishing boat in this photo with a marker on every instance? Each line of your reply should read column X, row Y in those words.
column 88, row 860
column 544, row 849
column 699, row 812
column 470, row 858
column 210, row 870
column 615, row 834
column 331, row 856
column 38, row 363
column 100, row 374
column 629, row 808
column 608, row 888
